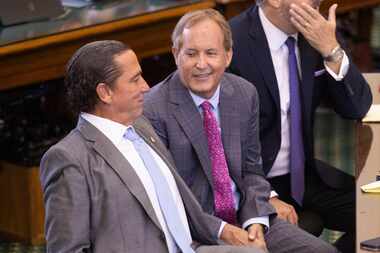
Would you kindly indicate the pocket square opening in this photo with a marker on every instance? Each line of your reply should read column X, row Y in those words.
column 319, row 72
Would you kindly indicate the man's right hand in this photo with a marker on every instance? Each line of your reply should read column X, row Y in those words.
column 239, row 237
column 284, row 210
column 234, row 235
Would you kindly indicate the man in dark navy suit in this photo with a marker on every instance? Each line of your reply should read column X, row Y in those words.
column 290, row 52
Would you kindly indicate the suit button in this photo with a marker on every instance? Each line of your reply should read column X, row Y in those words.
column 162, row 237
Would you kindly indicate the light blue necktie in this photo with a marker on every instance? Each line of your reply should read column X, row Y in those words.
column 297, row 155
column 167, row 203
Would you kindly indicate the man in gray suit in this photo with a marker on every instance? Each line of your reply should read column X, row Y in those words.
column 110, row 185
column 208, row 119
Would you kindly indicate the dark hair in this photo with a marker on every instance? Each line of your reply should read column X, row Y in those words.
column 90, row 65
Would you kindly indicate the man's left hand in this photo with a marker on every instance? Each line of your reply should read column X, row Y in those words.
column 256, row 236
column 317, row 30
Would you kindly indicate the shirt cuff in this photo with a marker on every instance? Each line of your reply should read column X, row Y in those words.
column 221, row 228
column 273, row 194
column 264, row 220
column 343, row 68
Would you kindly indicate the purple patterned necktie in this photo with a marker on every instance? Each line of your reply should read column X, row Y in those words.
column 297, row 155
column 223, row 196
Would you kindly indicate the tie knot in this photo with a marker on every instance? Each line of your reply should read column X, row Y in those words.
column 291, row 43
column 130, row 134
column 206, row 106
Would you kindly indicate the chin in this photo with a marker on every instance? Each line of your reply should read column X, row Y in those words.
column 293, row 30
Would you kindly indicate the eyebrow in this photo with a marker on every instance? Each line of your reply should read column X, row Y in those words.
column 135, row 75
column 196, row 50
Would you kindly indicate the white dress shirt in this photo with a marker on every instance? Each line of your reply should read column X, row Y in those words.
column 114, row 132
column 279, row 53
column 214, row 101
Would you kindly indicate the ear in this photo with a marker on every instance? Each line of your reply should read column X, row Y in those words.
column 229, row 54
column 104, row 93
column 175, row 53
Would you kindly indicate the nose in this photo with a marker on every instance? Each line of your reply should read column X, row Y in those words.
column 201, row 61
column 316, row 3
column 144, row 86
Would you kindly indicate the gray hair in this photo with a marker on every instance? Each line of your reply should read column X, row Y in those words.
column 194, row 17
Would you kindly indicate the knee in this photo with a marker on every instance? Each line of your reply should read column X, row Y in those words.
column 311, row 222
column 326, row 248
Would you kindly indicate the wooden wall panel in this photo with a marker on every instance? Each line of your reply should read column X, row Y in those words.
column 21, row 212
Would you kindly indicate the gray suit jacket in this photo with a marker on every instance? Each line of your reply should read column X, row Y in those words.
column 95, row 202
column 178, row 122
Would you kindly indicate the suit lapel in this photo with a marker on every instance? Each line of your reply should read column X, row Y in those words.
column 260, row 48
column 189, row 118
column 153, row 141
column 260, row 55
column 307, row 82
column 119, row 164
column 230, row 124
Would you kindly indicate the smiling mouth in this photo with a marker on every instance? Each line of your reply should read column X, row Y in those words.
column 202, row 76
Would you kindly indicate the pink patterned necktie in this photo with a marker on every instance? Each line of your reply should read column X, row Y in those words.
column 223, row 197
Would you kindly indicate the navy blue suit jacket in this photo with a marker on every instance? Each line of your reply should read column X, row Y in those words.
column 350, row 98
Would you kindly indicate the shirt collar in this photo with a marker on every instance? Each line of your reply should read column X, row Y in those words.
column 277, row 37
column 114, row 131
column 214, row 100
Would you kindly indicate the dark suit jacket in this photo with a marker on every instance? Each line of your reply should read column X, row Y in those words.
column 178, row 122
column 350, row 98
column 95, row 202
